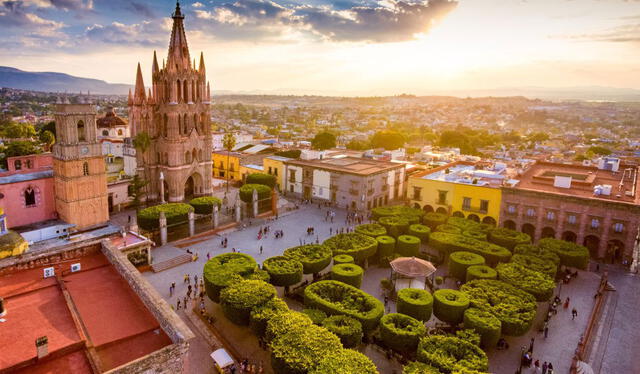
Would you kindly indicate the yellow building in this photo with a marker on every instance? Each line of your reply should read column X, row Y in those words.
column 226, row 164
column 249, row 169
column 274, row 165
column 459, row 189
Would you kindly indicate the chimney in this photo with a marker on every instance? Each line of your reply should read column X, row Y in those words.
column 42, row 347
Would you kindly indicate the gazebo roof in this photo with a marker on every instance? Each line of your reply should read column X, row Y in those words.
column 412, row 267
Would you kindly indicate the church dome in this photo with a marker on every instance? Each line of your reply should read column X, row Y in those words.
column 110, row 120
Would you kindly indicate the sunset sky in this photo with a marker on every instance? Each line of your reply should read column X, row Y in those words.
column 360, row 47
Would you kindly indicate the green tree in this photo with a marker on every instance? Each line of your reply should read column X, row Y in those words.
column 19, row 130
column 358, row 145
column 51, row 126
column 136, row 190
column 324, row 140
column 599, row 150
column 228, row 142
column 387, row 139
column 538, row 137
column 47, row 138
column 18, row 148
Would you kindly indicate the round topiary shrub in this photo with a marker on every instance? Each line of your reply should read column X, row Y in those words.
column 347, row 273
column 535, row 251
column 260, row 315
column 463, row 224
column 508, row 238
column 316, row 315
column 241, row 297
column 571, row 254
column 348, row 329
column 415, row 303
column 420, row 231
column 225, row 269
column 449, row 305
column 542, row 265
column 451, row 354
column 516, row 309
column 281, row 323
column 246, row 192
column 401, row 332
column 283, row 271
column 416, row 367
column 371, row 229
column 460, row 261
column 386, row 246
column 434, row 219
column 174, row 213
column 261, row 178
column 345, row 361
column 485, row 324
column 259, row 274
column 358, row 246
column 299, row 350
column 449, row 229
column 475, row 234
column 413, row 215
column 540, row 285
column 480, row 272
column 408, row 246
column 394, row 225
column 448, row 243
column 205, row 204
column 335, row 297
column 314, row 257
column 342, row 259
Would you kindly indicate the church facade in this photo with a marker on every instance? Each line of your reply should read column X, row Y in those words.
column 169, row 123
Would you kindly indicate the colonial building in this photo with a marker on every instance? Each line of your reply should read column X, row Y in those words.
column 174, row 116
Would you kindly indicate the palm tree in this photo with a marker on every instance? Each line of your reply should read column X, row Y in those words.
column 142, row 142
column 228, row 142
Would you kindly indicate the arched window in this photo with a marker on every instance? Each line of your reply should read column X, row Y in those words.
column 194, row 155
column 195, row 123
column 178, row 91
column 159, row 157
column 595, row 223
column 29, row 165
column 511, row 208
column 105, row 132
column 165, row 126
column 81, row 133
column 85, row 168
column 551, row 216
column 200, row 155
column 165, row 93
column 571, row 219
column 531, row 212
column 187, row 157
column 185, row 124
column 185, row 91
column 17, row 164
column 29, row 196
column 180, row 124
column 166, row 158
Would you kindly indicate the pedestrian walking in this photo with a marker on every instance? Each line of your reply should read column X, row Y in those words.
column 170, row 291
column 531, row 345
column 574, row 314
column 260, row 249
column 178, row 305
column 545, row 366
column 550, row 369
column 566, row 303
column 208, row 256
column 537, row 365
column 546, row 330
column 185, row 302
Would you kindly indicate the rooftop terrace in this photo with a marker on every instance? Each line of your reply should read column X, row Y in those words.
column 352, row 165
column 465, row 173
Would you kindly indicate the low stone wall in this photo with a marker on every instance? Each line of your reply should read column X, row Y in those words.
column 168, row 360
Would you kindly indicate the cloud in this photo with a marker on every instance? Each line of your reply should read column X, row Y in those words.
column 629, row 33
column 147, row 33
column 14, row 14
column 141, row 9
column 61, row 4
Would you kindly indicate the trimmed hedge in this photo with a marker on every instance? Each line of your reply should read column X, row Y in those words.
column 485, row 324
column 283, row 271
column 281, row 323
column 434, row 219
column 416, row 367
column 335, row 297
column 348, row 273
column 260, row 315
column 460, row 261
column 261, row 178
column 225, row 269
column 259, row 274
column 408, row 246
column 241, row 297
column 246, row 192
column 450, row 354
column 540, row 285
column 395, row 225
column 358, row 246
column 401, row 332
column 571, row 254
column 342, row 259
column 415, row 303
column 449, row 305
column 316, row 315
column 204, row 204
column 463, row 223
column 534, row 250
column 345, row 361
column 314, row 257
column 173, row 212
column 508, row 238
column 386, row 246
column 420, row 231
column 299, row 350
column 371, row 229
column 414, row 215
column 480, row 272
column 348, row 329
column 450, row 229
column 544, row 266
column 475, row 234
column 449, row 243
column 516, row 309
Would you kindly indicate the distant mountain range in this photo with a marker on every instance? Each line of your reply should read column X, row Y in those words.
column 59, row 82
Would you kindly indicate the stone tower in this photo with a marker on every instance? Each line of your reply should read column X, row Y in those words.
column 174, row 117
column 79, row 173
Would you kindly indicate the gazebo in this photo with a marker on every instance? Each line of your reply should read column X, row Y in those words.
column 405, row 270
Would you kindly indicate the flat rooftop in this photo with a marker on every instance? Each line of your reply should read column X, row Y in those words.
column 94, row 306
column 464, row 173
column 351, row 165
column 584, row 179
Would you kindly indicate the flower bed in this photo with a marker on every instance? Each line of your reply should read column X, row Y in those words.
column 350, row 274
column 281, row 323
column 460, row 261
column 451, row 355
column 408, row 246
column 175, row 213
column 314, row 257
column 225, row 269
column 348, row 329
column 571, row 254
column 449, row 305
column 434, row 219
column 480, row 272
column 401, row 332
column 541, row 286
column 485, row 324
column 508, row 238
column 241, row 297
column 394, row 225
column 359, row 246
column 420, row 231
column 415, row 302
column 448, row 243
column 371, row 229
column 205, row 204
column 283, row 271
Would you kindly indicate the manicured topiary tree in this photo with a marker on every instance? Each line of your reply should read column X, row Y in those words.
column 447, row 243
column 416, row 367
column 534, row 250
column 347, row 273
column 335, row 297
column 283, row 271
column 450, row 229
column 316, row 315
column 508, row 238
column 532, row 262
column 451, row 354
column 246, row 192
column 283, row 322
column 434, row 219
column 348, row 329
column 395, row 225
column 261, row 178
column 460, row 261
column 415, row 302
column 241, row 297
column 480, row 272
column 516, row 309
column 463, row 223
column 302, row 348
column 205, row 204
column 174, row 213
column 475, row 234
column 260, row 315
column 485, row 324
column 342, row 259
column 540, row 285
column 413, row 215
column 449, row 305
column 386, row 246
column 371, row 229
column 314, row 257
column 345, row 361
column 571, row 254
column 359, row 246
column 259, row 274
column 420, row 231
column 401, row 332
column 408, row 246
column 225, row 269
